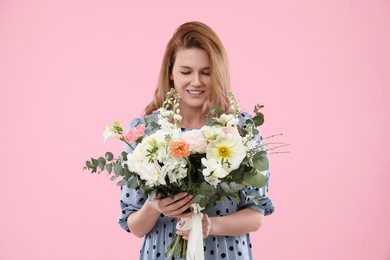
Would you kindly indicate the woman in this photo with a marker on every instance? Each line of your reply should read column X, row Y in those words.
column 196, row 65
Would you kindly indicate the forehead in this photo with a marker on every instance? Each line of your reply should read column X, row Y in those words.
column 194, row 58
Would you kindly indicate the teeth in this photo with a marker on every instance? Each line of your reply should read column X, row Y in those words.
column 195, row 92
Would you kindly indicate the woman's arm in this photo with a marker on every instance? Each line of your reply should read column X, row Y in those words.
column 142, row 221
column 236, row 224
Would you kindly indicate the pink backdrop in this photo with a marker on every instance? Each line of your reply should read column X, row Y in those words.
column 322, row 70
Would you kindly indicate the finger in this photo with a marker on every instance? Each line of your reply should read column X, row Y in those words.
column 170, row 200
column 183, row 232
column 180, row 206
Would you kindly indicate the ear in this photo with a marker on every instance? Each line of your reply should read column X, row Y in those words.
column 171, row 76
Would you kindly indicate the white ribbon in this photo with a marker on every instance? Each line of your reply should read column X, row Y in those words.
column 195, row 240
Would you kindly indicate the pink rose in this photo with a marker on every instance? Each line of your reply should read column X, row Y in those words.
column 230, row 131
column 135, row 133
column 196, row 141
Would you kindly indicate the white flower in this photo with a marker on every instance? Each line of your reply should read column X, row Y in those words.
column 196, row 140
column 213, row 171
column 146, row 163
column 210, row 132
column 228, row 120
column 177, row 117
column 227, row 150
column 175, row 168
column 108, row 133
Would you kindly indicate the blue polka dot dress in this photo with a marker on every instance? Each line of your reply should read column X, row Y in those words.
column 215, row 247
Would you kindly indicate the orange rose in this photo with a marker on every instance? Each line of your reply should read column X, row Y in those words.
column 179, row 149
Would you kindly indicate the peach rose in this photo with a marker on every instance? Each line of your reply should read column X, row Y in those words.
column 179, row 149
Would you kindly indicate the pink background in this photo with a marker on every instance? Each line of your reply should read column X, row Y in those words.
column 321, row 68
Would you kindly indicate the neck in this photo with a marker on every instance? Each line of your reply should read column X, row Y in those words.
column 193, row 119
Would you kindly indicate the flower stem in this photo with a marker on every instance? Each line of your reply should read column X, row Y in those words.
column 189, row 171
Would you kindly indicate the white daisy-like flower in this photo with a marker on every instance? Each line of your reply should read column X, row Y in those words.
column 228, row 150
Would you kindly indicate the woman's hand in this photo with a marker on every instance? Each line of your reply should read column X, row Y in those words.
column 206, row 228
column 174, row 206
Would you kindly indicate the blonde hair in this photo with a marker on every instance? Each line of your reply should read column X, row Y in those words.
column 195, row 35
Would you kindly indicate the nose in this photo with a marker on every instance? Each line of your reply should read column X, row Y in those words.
column 196, row 80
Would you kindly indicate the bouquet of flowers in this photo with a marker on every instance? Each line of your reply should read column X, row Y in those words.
column 210, row 163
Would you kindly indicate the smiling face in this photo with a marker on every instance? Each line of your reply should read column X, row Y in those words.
column 191, row 78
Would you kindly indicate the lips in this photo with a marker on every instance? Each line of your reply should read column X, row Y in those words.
column 195, row 92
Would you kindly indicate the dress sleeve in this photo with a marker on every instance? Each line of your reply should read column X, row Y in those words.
column 130, row 200
column 265, row 205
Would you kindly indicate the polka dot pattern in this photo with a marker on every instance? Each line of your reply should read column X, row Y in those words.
column 215, row 247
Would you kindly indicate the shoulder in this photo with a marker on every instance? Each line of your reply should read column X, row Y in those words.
column 147, row 120
column 244, row 117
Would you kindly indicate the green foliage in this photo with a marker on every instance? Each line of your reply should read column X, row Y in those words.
column 216, row 111
column 254, row 179
column 109, row 156
column 260, row 161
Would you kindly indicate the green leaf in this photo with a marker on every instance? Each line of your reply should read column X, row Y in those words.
column 124, row 156
column 259, row 119
column 256, row 179
column 114, row 177
column 109, row 156
column 95, row 162
column 102, row 163
column 109, row 168
column 132, row 182
column 260, row 161
column 118, row 169
column 216, row 111
column 206, row 189
column 121, row 183
column 213, row 122
column 88, row 164
column 232, row 187
column 201, row 200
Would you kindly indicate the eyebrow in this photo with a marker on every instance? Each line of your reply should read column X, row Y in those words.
column 187, row 67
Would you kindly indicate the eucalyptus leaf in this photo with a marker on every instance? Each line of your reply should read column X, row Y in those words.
column 124, row 156
column 88, row 164
column 259, row 119
column 114, row 177
column 94, row 162
column 109, row 156
column 256, row 179
column 216, row 111
column 121, row 183
column 231, row 188
column 213, row 122
column 132, row 182
column 260, row 161
column 102, row 163
column 201, row 200
column 118, row 169
column 108, row 168
column 206, row 189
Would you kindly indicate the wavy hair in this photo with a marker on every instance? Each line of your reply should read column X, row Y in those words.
column 195, row 35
